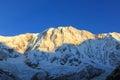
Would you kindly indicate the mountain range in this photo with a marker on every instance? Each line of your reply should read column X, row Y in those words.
column 63, row 53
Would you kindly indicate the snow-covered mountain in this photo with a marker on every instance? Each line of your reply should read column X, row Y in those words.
column 47, row 40
column 62, row 53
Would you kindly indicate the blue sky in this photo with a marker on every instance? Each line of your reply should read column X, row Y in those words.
column 23, row 16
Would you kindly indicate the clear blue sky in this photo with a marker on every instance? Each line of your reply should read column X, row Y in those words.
column 22, row 16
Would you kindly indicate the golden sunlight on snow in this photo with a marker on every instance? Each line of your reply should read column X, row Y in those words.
column 51, row 38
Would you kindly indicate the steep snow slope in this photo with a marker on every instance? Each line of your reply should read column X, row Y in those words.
column 6, row 52
column 59, row 54
column 18, row 43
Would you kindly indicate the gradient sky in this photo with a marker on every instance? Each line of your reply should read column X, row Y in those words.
column 23, row 16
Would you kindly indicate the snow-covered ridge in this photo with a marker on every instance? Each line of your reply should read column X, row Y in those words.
column 51, row 38
column 19, row 42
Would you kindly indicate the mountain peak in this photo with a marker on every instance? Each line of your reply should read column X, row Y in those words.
column 55, row 37
column 62, row 28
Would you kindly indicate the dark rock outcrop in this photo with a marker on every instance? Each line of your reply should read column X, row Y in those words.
column 5, row 75
column 41, row 75
column 115, row 75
